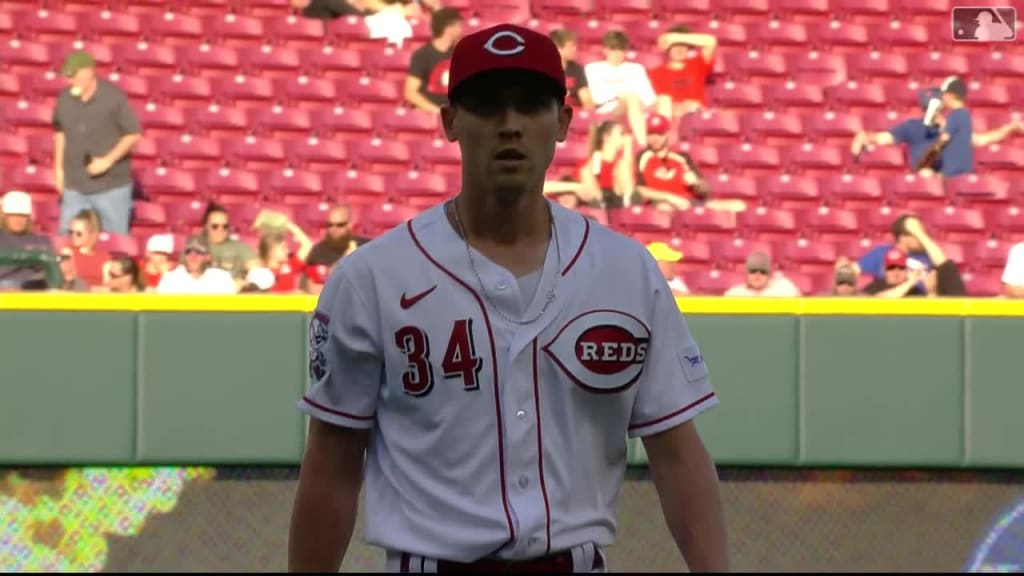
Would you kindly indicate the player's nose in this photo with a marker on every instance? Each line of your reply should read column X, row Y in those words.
column 510, row 123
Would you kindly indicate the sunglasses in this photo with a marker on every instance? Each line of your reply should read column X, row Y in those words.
column 845, row 283
column 197, row 251
column 77, row 233
column 757, row 271
column 217, row 226
column 337, row 224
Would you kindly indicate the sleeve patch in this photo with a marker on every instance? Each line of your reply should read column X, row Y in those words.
column 317, row 344
column 692, row 361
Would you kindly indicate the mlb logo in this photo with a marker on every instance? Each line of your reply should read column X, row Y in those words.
column 984, row 23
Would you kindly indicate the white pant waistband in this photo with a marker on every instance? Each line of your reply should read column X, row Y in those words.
column 585, row 558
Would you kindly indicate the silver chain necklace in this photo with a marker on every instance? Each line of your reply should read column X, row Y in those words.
column 550, row 297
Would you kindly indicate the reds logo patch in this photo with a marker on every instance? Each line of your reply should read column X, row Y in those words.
column 601, row 351
column 317, row 343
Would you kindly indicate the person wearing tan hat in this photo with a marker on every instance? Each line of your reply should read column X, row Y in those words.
column 95, row 130
column 667, row 257
column 681, row 83
column 17, row 237
column 195, row 275
column 763, row 280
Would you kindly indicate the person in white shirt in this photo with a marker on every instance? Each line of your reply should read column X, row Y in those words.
column 667, row 257
column 762, row 280
column 1013, row 274
column 195, row 276
column 621, row 87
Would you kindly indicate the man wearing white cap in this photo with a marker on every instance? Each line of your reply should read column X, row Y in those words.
column 159, row 249
column 16, row 236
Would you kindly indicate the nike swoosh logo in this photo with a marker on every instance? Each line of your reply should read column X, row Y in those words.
column 407, row 302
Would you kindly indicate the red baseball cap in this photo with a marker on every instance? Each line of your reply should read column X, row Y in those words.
column 657, row 124
column 895, row 257
column 505, row 47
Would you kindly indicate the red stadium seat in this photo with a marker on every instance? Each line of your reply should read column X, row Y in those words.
column 217, row 120
column 766, row 223
column 49, row 26
column 308, row 92
column 147, row 58
column 13, row 149
column 317, row 154
column 407, row 124
column 179, row 87
column 145, row 151
column 915, row 191
column 118, row 245
column 831, row 223
column 975, row 188
column 359, row 188
column 110, row 26
column 816, row 68
column 232, row 185
column 190, row 152
column 295, row 31
column 751, row 157
column 7, row 25
column 280, row 120
column 419, row 188
column 879, row 159
column 773, row 126
column 998, row 157
column 697, row 254
column 734, row 251
column 312, row 216
column 794, row 95
column 731, row 94
column 162, row 183
column 856, row 94
column 270, row 61
column 208, row 59
column 734, row 187
column 1001, row 64
column 832, row 126
column 373, row 92
column 703, row 222
column 40, row 149
column 641, row 219
column 333, row 62
column 988, row 255
column 989, row 96
column 898, row 34
column 756, row 63
column 956, row 224
column 148, row 218
column 877, row 220
column 803, row 10
column 983, row 285
column 935, row 65
column 687, row 8
column 159, row 119
column 173, row 28
column 185, row 215
column 12, row 87
column 554, row 9
column 378, row 154
column 805, row 255
column 569, row 156
column 134, row 86
column 437, row 155
column 812, row 158
column 703, row 156
column 840, row 35
column 235, row 29
column 379, row 218
column 348, row 31
column 871, row 65
column 870, row 10
column 37, row 180
column 290, row 186
column 727, row 33
column 710, row 126
column 1008, row 222
column 779, row 33
column 713, row 282
column 343, row 122
column 255, row 153
column 388, row 62
column 633, row 11
column 930, row 10
column 244, row 91
column 904, row 95
column 25, row 55
column 29, row 116
column 790, row 192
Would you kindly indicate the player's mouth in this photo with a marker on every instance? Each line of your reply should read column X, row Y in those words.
column 509, row 157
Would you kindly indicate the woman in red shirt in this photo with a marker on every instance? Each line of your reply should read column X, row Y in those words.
column 607, row 175
column 287, row 266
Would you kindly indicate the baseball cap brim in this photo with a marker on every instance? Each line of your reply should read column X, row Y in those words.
column 492, row 81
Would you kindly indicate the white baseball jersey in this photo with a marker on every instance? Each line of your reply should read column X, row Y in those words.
column 492, row 438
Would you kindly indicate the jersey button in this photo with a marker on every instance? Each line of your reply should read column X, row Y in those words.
column 524, row 482
column 521, row 414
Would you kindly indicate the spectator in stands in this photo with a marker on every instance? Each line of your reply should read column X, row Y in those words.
column 426, row 85
column 955, row 144
column 873, row 263
column 258, row 281
column 331, row 9
column 665, row 177
column 845, row 281
column 90, row 260
column 1013, row 274
column 339, row 240
column 196, row 275
column 607, row 174
column 17, row 237
column 69, row 273
column 919, row 135
column 763, row 280
column 95, row 131
column 159, row 253
column 123, row 277
column 667, row 258
column 617, row 86
column 287, row 267
column 225, row 252
column 316, row 276
column 680, row 83
column 577, row 90
column 899, row 280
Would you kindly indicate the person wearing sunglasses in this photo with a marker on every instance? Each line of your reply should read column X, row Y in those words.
column 339, row 239
column 196, row 275
column 225, row 252
column 91, row 261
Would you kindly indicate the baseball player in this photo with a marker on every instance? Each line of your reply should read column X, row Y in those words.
column 490, row 356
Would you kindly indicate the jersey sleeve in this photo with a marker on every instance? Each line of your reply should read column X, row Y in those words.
column 675, row 386
column 901, row 132
column 345, row 358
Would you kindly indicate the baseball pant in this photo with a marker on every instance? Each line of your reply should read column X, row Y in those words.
column 585, row 558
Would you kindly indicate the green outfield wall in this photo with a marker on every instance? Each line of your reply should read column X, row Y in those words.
column 145, row 379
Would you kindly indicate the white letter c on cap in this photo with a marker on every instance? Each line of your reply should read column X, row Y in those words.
column 520, row 44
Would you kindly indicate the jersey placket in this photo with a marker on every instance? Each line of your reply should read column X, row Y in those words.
column 519, row 419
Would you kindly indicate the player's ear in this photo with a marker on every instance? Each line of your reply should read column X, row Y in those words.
column 564, row 120
column 448, row 122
